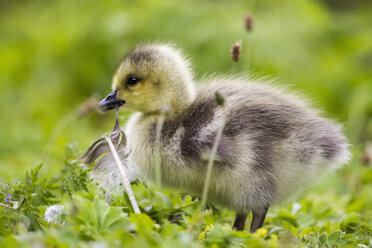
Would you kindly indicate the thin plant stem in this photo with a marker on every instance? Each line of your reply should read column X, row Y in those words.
column 249, row 45
column 187, row 205
column 3, row 205
column 159, row 127
column 58, row 129
column 83, row 109
column 211, row 160
column 249, row 42
column 124, row 177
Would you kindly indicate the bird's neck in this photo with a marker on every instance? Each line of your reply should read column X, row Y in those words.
column 186, row 96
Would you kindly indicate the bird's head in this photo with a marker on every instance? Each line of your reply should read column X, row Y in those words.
column 150, row 78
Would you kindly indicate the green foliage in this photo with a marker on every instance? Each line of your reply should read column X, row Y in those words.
column 25, row 200
column 73, row 177
column 56, row 55
column 95, row 219
column 22, row 201
column 172, row 219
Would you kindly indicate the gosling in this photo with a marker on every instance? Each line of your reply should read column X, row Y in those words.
column 272, row 144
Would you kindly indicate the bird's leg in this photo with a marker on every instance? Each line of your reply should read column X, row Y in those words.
column 258, row 219
column 239, row 221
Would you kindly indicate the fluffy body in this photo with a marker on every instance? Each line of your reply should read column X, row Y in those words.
column 272, row 145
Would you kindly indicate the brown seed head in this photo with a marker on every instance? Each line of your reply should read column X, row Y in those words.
column 236, row 50
column 248, row 21
column 87, row 106
column 367, row 155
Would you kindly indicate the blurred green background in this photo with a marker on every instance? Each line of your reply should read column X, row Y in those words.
column 54, row 55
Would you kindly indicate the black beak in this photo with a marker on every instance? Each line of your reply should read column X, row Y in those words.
column 110, row 102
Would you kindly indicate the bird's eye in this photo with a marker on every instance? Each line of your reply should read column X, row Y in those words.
column 132, row 81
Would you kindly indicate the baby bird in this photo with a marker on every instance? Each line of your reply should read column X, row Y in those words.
column 272, row 143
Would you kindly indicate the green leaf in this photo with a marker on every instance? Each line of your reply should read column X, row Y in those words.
column 322, row 238
column 333, row 238
column 143, row 222
column 350, row 222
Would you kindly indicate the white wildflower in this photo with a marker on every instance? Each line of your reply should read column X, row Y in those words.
column 53, row 213
column 296, row 207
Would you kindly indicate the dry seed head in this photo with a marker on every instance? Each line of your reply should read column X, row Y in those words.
column 248, row 21
column 236, row 50
column 87, row 106
column 367, row 156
